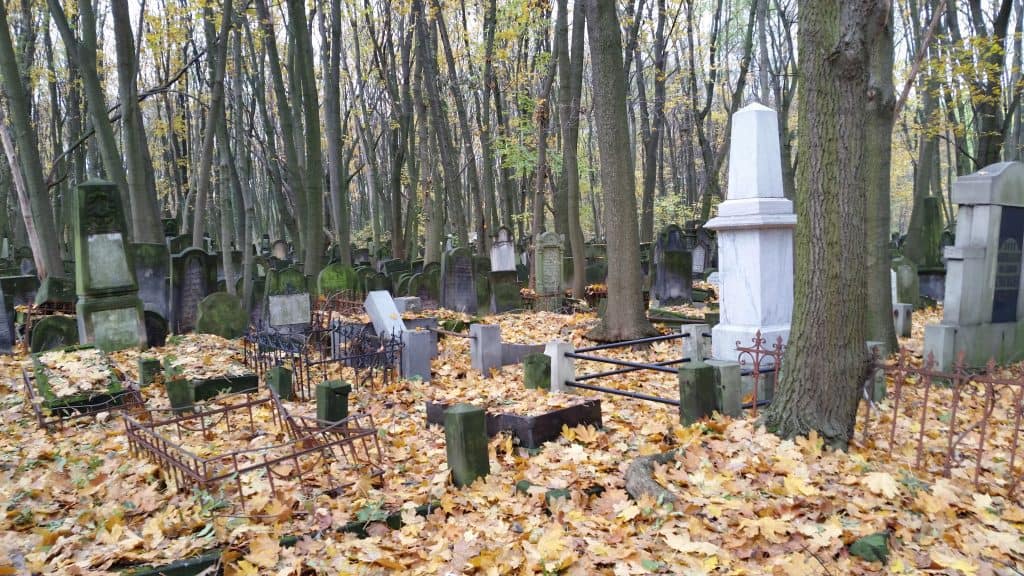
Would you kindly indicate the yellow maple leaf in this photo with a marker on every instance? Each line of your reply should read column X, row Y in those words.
column 797, row 486
column 629, row 512
column 264, row 551
column 952, row 560
column 882, row 483
column 682, row 543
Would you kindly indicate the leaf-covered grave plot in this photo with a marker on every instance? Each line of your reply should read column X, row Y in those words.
column 746, row 502
column 77, row 372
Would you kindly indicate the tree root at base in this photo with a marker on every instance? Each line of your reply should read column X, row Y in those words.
column 640, row 477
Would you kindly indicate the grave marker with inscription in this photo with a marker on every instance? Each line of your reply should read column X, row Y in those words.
column 983, row 308
column 673, row 268
column 549, row 274
column 458, row 282
column 193, row 278
column 109, row 310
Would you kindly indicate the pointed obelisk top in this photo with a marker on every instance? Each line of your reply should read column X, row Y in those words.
column 755, row 163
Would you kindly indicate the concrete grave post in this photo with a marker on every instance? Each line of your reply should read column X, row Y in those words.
column 485, row 348
column 563, row 368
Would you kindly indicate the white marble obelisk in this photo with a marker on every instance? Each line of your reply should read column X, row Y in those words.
column 755, row 238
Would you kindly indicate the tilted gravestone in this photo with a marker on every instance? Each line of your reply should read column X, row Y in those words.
column 222, row 314
column 387, row 320
column 983, row 308
column 193, row 277
column 53, row 332
column 673, row 268
column 457, row 283
column 109, row 310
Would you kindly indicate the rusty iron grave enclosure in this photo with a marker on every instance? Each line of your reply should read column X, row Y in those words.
column 243, row 445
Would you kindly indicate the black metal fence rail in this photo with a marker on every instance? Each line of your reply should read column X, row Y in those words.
column 626, row 393
column 624, row 344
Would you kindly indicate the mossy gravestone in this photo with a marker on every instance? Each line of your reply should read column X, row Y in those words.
column 336, row 278
column 110, row 313
column 53, row 332
column 193, row 277
column 222, row 314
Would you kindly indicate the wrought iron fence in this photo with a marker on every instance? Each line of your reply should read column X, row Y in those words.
column 955, row 424
column 758, row 361
column 317, row 457
column 320, row 353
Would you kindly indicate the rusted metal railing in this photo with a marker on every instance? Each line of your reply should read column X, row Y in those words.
column 315, row 457
column 957, row 423
column 759, row 360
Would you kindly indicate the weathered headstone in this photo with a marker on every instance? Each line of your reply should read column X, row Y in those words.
column 503, row 251
column 53, row 332
column 193, row 278
column 458, row 282
column 151, row 266
column 983, row 312
column 549, row 273
column 548, row 258
column 755, row 238
column 336, row 278
column 291, row 311
column 907, row 288
column 332, row 400
column 222, row 314
column 109, row 311
column 505, row 295
column 673, row 268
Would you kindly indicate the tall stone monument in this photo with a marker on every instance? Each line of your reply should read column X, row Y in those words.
column 110, row 313
column 755, row 238
column 983, row 309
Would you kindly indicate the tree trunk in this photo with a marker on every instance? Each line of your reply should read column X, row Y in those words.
column 826, row 360
column 84, row 54
column 439, row 123
column 218, row 56
column 625, row 318
column 145, row 216
column 35, row 208
column 881, row 104
column 570, row 82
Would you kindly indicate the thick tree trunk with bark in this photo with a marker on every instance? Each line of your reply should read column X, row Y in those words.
column 826, row 360
column 626, row 318
column 881, row 103
column 34, row 202
column 145, row 218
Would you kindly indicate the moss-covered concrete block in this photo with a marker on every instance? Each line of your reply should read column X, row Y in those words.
column 465, row 435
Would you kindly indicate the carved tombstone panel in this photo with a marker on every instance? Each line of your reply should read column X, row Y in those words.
column 1008, row 266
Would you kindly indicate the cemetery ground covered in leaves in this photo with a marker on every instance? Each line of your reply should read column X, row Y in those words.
column 738, row 499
